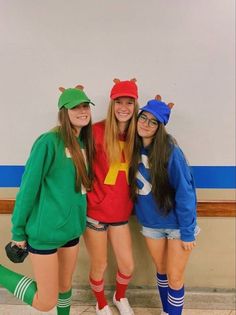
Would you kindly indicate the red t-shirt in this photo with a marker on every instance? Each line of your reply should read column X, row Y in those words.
column 109, row 199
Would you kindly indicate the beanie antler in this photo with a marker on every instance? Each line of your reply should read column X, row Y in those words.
column 158, row 97
column 79, row 87
column 116, row 80
column 62, row 89
column 170, row 105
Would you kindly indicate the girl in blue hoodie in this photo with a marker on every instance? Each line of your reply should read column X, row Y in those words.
column 163, row 189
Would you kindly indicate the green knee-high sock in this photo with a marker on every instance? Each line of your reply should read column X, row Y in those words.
column 64, row 303
column 21, row 286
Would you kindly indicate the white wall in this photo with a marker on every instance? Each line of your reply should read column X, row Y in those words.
column 184, row 50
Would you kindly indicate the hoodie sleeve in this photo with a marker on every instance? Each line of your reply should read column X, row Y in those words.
column 181, row 180
column 36, row 168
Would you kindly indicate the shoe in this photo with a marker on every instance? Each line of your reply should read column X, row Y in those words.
column 123, row 306
column 104, row 311
column 164, row 313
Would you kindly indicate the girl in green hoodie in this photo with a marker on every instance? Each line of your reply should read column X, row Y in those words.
column 50, row 209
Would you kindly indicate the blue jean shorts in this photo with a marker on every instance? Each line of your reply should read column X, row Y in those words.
column 170, row 234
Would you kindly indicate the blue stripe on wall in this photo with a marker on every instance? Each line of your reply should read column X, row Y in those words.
column 10, row 175
column 215, row 177
column 218, row 177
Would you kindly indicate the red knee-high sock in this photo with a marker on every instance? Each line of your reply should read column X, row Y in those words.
column 122, row 282
column 98, row 290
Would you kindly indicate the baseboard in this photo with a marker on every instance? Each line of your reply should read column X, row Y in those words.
column 143, row 297
column 204, row 208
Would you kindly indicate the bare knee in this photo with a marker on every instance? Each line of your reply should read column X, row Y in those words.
column 126, row 268
column 161, row 268
column 65, row 284
column 129, row 269
column 175, row 281
column 45, row 306
column 64, row 287
column 97, row 269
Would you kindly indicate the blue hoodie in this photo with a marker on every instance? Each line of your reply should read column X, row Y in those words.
column 183, row 215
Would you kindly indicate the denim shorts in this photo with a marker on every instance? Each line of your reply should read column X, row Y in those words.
column 32, row 250
column 170, row 234
column 102, row 226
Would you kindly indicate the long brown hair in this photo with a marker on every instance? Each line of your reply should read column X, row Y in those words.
column 111, row 137
column 84, row 174
column 159, row 153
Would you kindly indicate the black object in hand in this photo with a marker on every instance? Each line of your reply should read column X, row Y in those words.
column 15, row 253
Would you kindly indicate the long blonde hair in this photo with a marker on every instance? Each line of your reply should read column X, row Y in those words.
column 111, row 137
column 67, row 133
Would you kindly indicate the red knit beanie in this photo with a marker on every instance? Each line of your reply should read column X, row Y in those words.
column 124, row 88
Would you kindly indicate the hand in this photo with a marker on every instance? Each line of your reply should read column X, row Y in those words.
column 188, row 245
column 21, row 244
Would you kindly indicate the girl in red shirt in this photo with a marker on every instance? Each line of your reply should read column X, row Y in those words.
column 109, row 203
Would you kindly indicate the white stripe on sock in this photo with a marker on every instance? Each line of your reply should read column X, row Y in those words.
column 121, row 280
column 162, row 283
column 21, row 283
column 97, row 288
column 26, row 288
column 174, row 304
column 21, row 287
column 64, row 302
column 175, row 301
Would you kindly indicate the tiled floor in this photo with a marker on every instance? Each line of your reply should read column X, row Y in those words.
column 89, row 310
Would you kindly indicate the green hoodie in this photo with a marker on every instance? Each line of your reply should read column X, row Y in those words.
column 48, row 211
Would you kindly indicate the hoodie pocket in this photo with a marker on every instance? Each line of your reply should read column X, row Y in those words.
column 64, row 225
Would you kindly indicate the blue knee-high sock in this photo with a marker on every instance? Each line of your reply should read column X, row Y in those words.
column 175, row 301
column 162, row 285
